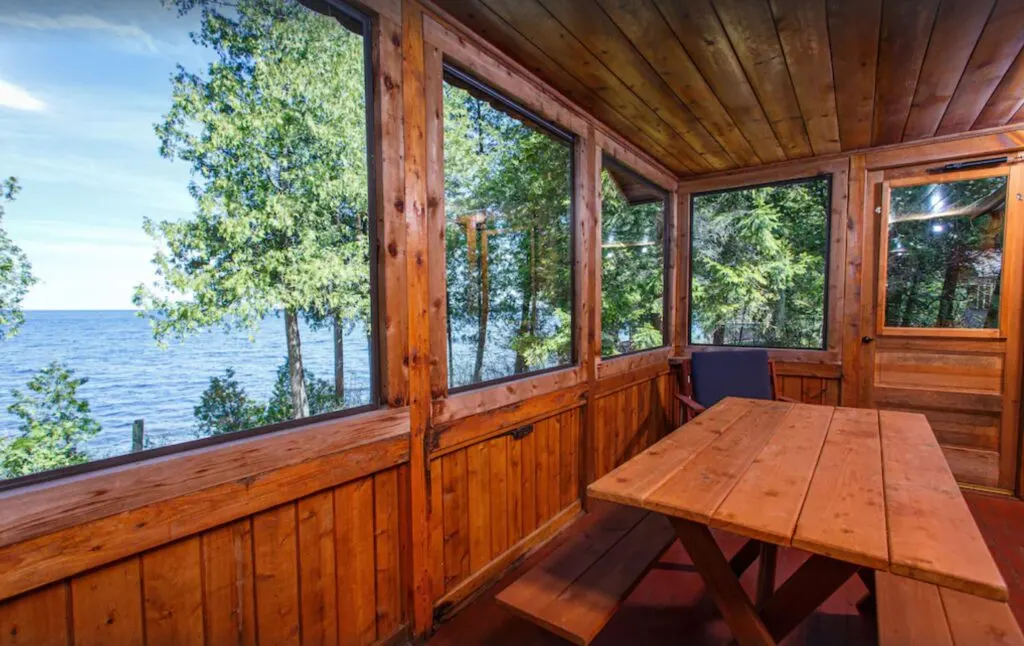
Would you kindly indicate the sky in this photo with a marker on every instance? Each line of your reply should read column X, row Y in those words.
column 82, row 83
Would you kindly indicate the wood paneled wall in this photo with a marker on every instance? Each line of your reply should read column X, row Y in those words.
column 630, row 419
column 494, row 500
column 324, row 569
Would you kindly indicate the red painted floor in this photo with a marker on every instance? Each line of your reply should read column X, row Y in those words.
column 669, row 606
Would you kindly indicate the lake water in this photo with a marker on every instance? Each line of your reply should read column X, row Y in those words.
column 131, row 377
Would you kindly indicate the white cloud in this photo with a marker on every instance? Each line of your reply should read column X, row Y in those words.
column 81, row 22
column 18, row 98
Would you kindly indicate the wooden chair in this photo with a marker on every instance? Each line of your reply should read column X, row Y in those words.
column 711, row 376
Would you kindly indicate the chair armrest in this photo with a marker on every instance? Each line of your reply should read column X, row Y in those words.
column 790, row 400
column 692, row 404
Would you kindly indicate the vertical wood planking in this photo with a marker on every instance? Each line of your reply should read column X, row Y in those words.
column 387, row 546
column 568, row 471
column 478, row 465
column 436, row 531
column 456, row 518
column 106, row 605
column 38, row 618
column 555, row 465
column 354, row 561
column 228, row 585
column 515, row 491
column 275, row 548
column 529, row 482
column 498, row 469
column 172, row 590
column 542, row 477
column 317, row 575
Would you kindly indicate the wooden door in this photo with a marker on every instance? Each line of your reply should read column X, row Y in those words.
column 946, row 337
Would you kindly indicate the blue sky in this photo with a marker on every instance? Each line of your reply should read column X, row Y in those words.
column 81, row 86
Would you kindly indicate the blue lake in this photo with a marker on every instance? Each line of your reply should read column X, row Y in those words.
column 131, row 377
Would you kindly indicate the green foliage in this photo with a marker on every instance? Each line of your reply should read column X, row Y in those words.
column 54, row 423
column 274, row 132
column 515, row 181
column 632, row 272
column 15, row 270
column 943, row 268
column 225, row 407
column 759, row 266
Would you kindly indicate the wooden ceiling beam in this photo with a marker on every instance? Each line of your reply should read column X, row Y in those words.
column 958, row 27
column 751, row 30
column 496, row 31
column 906, row 29
column 802, row 26
column 1007, row 99
column 853, row 31
column 535, row 23
column 999, row 45
column 696, row 27
column 641, row 26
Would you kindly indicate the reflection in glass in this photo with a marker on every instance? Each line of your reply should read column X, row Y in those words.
column 508, row 209
column 632, row 262
column 759, row 260
column 945, row 249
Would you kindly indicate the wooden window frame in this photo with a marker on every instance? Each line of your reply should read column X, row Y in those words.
column 614, row 365
column 838, row 169
column 181, row 467
column 918, row 179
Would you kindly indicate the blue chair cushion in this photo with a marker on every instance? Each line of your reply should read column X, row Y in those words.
column 730, row 373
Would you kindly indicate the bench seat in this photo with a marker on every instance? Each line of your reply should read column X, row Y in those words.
column 912, row 613
column 577, row 588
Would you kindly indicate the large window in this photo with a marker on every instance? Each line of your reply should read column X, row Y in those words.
column 632, row 261
column 944, row 255
column 508, row 208
column 759, row 261
column 189, row 224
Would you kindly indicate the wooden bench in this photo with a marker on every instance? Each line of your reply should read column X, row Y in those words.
column 576, row 589
column 913, row 612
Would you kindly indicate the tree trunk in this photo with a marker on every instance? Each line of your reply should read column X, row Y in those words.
column 949, row 284
column 339, row 360
column 296, row 376
column 483, row 309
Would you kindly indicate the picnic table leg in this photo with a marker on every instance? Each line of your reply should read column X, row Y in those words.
column 866, row 605
column 745, row 557
column 814, row 582
column 766, row 573
column 722, row 584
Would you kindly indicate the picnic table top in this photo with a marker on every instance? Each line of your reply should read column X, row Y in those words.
column 864, row 486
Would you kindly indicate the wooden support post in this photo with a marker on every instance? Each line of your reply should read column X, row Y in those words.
column 418, row 359
column 744, row 557
column 138, row 435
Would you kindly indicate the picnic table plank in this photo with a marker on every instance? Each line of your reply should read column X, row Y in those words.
column 844, row 512
column 696, row 491
column 932, row 534
column 766, row 501
column 974, row 620
column 633, row 480
column 910, row 613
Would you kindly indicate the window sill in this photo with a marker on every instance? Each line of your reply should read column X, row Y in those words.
column 487, row 398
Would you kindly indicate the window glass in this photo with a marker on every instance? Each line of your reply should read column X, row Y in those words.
column 632, row 262
column 945, row 254
column 508, row 209
column 759, row 265
column 188, row 221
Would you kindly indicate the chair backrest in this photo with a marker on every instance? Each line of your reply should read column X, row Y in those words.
column 718, row 374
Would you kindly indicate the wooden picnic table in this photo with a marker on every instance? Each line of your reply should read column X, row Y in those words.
column 856, row 488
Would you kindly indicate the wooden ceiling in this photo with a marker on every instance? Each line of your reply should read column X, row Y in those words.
column 710, row 85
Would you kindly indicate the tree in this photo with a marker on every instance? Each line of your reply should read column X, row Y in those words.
column 275, row 135
column 514, row 290
column 15, row 270
column 225, row 407
column 54, row 423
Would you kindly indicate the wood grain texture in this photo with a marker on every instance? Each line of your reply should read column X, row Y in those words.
column 932, row 535
column 106, row 606
column 229, row 615
column 854, row 32
column 172, row 594
column 36, row 619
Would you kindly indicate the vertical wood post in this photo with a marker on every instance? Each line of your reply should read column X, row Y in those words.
column 138, row 435
column 415, row 210
column 588, row 293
